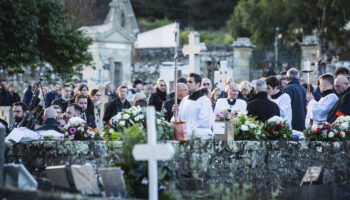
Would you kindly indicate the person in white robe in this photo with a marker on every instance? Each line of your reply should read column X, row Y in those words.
column 231, row 103
column 196, row 110
column 321, row 108
column 281, row 99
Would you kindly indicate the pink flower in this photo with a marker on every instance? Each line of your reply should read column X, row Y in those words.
column 72, row 130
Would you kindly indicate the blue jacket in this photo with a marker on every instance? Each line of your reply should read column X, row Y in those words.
column 50, row 97
column 298, row 99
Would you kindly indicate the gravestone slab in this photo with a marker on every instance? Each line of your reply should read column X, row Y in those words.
column 113, row 182
column 84, row 179
column 59, row 176
column 17, row 175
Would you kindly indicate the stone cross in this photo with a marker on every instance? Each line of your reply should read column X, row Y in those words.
column 192, row 50
column 100, row 79
column 221, row 75
column 152, row 152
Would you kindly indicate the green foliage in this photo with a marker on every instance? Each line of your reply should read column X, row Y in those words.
column 209, row 38
column 199, row 14
column 146, row 25
column 258, row 20
column 136, row 172
column 35, row 32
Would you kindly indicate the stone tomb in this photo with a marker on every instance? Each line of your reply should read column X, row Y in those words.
column 59, row 175
column 113, row 182
column 84, row 178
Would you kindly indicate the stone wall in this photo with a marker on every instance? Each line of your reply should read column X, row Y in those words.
column 268, row 166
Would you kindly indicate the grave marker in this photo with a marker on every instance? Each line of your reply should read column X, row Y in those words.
column 113, row 182
column 84, row 179
column 221, row 75
column 192, row 50
column 152, row 152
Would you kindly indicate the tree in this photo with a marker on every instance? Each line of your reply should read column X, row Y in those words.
column 36, row 33
column 258, row 19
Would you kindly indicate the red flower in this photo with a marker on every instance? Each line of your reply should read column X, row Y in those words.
column 143, row 123
column 278, row 126
column 318, row 131
column 339, row 134
column 328, row 127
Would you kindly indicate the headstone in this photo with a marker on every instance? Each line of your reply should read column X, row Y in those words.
column 22, row 134
column 221, row 75
column 152, row 152
column 84, row 179
column 192, row 50
column 113, row 182
column 17, row 175
column 59, row 176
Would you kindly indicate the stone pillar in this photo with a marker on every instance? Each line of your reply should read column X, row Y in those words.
column 242, row 52
column 309, row 51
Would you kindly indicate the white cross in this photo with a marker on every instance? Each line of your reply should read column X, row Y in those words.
column 192, row 50
column 152, row 152
column 222, row 74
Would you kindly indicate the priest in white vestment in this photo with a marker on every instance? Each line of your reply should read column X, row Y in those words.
column 196, row 110
column 321, row 108
column 231, row 103
column 281, row 99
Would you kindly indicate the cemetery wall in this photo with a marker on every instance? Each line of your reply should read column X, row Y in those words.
column 267, row 166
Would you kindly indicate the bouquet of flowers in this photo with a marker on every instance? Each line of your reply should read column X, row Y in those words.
column 277, row 129
column 225, row 116
column 248, row 128
column 324, row 132
column 342, row 125
column 136, row 116
column 77, row 129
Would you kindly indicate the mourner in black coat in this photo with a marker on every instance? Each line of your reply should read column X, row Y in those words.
column 168, row 105
column 262, row 108
column 156, row 99
column 114, row 107
column 50, row 124
column 343, row 103
column 297, row 95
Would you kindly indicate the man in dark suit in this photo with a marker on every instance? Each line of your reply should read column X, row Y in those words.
column 64, row 99
column 52, row 95
column 50, row 123
column 341, row 86
column 297, row 95
column 82, row 101
column 182, row 91
column 260, row 106
column 117, row 105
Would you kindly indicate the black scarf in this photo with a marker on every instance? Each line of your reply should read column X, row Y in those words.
column 195, row 95
column 327, row 92
column 161, row 94
column 231, row 102
column 278, row 94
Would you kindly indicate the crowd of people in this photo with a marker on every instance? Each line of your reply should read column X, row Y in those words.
column 198, row 101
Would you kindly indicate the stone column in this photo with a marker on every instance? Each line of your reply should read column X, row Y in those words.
column 309, row 51
column 242, row 52
column 2, row 153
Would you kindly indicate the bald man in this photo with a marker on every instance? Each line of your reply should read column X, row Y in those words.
column 341, row 85
column 182, row 91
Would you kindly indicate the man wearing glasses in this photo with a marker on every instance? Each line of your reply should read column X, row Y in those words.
column 206, row 83
column 341, row 86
